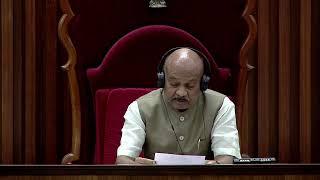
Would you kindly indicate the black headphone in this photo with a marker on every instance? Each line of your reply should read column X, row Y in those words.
column 206, row 74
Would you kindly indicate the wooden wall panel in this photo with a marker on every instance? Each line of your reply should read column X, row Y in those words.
column 28, row 84
column 7, row 73
column 49, row 68
column 315, row 79
column 288, row 82
column 30, row 93
column 267, row 80
column 18, row 89
column 305, row 80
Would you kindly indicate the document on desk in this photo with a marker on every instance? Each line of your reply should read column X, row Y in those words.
column 175, row 159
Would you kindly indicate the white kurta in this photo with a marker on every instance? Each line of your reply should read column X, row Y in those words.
column 224, row 134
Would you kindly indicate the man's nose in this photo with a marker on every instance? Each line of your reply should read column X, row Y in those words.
column 181, row 92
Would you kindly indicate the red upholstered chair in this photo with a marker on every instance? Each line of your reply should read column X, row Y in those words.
column 132, row 62
column 111, row 105
column 118, row 101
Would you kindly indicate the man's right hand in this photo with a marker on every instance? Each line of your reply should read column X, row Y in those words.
column 144, row 161
column 134, row 161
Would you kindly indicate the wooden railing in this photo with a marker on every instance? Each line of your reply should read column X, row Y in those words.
column 221, row 172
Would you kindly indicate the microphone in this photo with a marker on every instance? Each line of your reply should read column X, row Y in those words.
column 255, row 160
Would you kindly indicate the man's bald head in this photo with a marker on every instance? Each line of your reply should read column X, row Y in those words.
column 186, row 60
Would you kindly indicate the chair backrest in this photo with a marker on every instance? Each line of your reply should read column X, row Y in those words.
column 118, row 101
column 132, row 61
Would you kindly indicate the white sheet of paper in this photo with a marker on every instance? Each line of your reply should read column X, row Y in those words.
column 174, row 159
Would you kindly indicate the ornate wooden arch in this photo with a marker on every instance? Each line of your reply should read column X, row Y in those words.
column 244, row 66
column 74, row 87
column 72, row 79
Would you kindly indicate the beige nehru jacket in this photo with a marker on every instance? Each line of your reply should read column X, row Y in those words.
column 169, row 131
column 209, row 125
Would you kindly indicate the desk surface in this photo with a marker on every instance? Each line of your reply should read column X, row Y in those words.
column 243, row 169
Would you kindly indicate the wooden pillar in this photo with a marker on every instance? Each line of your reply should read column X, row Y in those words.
column 267, row 79
column 30, row 81
column 305, row 81
column 6, row 81
column 288, row 81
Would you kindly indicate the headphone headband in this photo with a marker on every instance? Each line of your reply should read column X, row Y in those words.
column 206, row 68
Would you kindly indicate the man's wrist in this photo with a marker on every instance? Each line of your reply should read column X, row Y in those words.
column 213, row 162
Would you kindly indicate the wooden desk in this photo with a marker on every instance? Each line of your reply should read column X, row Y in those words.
column 221, row 172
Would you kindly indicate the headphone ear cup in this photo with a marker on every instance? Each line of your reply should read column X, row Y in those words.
column 204, row 83
column 160, row 81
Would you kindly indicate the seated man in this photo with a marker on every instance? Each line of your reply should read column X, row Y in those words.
column 183, row 117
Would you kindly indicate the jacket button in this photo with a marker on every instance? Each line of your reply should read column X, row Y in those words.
column 181, row 138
